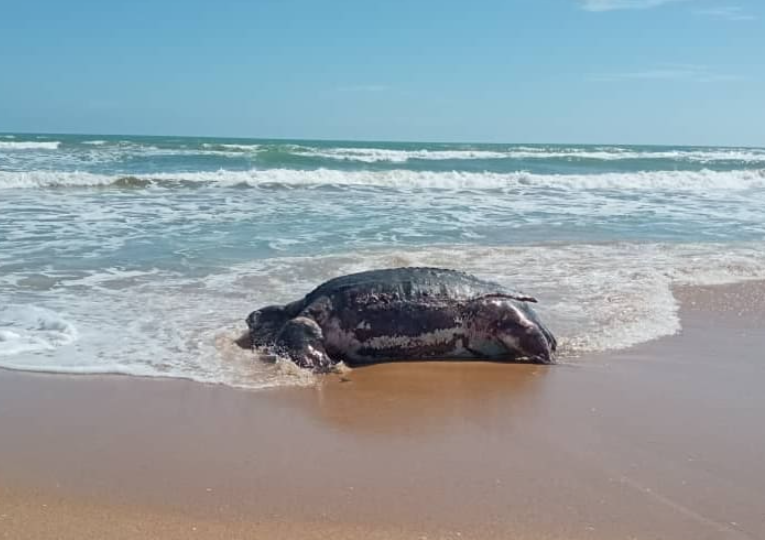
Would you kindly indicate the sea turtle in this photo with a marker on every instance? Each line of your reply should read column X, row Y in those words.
column 403, row 314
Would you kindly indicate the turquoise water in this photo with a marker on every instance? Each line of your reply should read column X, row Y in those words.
column 142, row 255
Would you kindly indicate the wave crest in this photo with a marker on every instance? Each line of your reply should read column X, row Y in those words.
column 29, row 145
column 374, row 155
column 690, row 181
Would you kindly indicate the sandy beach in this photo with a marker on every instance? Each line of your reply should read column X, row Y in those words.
column 661, row 441
column 580, row 181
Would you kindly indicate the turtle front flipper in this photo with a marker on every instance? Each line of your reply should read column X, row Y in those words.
column 265, row 324
column 302, row 341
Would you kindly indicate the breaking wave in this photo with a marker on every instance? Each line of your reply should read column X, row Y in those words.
column 25, row 145
column 685, row 181
column 372, row 155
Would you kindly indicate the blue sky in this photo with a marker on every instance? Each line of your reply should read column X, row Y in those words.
column 597, row 71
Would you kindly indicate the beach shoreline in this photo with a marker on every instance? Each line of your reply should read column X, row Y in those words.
column 662, row 440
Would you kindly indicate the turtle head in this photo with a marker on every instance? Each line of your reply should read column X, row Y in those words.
column 525, row 336
column 302, row 341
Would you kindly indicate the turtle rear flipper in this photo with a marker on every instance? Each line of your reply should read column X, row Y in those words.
column 302, row 341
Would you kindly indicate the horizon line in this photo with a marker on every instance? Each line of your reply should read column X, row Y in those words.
column 372, row 140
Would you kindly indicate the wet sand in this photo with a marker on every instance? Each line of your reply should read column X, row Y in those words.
column 662, row 441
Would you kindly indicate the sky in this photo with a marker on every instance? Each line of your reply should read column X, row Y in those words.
column 567, row 71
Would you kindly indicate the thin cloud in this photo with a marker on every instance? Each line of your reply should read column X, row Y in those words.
column 728, row 13
column 613, row 5
column 680, row 73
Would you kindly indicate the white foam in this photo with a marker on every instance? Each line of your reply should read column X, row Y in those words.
column 596, row 297
column 244, row 147
column 162, row 324
column 25, row 145
column 230, row 146
column 675, row 181
column 372, row 155
column 41, row 179
column 26, row 329
column 95, row 143
column 743, row 155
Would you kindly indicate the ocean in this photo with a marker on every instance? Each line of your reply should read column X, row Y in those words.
column 143, row 255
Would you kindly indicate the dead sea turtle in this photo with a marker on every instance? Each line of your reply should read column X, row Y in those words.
column 404, row 314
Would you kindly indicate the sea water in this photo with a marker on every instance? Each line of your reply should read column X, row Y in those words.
column 143, row 255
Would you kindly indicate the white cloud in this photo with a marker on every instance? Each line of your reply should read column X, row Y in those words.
column 671, row 72
column 611, row 5
column 729, row 13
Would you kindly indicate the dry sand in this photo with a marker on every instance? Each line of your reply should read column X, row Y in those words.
column 663, row 441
